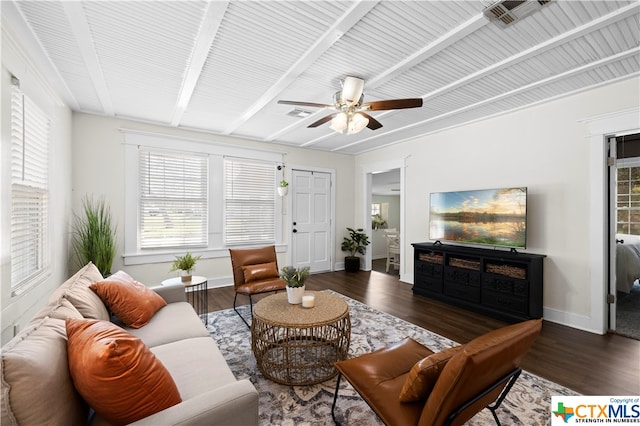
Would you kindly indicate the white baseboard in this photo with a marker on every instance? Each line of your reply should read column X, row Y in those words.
column 580, row 322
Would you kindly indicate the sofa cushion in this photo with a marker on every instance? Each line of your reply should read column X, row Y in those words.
column 176, row 321
column 36, row 385
column 260, row 271
column 196, row 364
column 100, row 352
column 76, row 290
column 130, row 300
column 424, row 374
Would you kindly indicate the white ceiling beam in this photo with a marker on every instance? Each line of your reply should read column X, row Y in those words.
column 409, row 62
column 431, row 49
column 15, row 27
column 353, row 15
column 539, row 83
column 206, row 35
column 596, row 24
column 84, row 39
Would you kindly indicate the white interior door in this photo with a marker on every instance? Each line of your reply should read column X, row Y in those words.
column 311, row 220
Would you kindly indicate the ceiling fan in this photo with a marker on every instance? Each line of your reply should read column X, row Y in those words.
column 351, row 113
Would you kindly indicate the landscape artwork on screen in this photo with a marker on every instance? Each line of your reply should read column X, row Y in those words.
column 496, row 217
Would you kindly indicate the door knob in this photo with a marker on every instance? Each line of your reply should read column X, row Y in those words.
column 294, row 231
column 619, row 241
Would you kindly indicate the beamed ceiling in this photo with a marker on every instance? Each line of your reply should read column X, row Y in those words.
column 221, row 66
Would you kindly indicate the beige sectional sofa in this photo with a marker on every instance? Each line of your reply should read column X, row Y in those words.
column 37, row 386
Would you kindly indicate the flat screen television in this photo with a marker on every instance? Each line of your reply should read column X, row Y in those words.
column 496, row 217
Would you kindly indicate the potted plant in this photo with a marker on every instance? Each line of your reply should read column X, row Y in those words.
column 295, row 279
column 378, row 222
column 185, row 265
column 283, row 188
column 94, row 235
column 356, row 242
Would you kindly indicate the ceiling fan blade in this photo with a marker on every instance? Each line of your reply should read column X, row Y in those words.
column 373, row 123
column 393, row 104
column 310, row 104
column 322, row 120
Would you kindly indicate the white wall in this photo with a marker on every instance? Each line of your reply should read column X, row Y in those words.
column 18, row 310
column 544, row 148
column 98, row 169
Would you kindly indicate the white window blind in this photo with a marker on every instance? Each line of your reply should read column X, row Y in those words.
column 29, row 192
column 249, row 201
column 173, row 199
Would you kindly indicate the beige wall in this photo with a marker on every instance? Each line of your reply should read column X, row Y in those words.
column 98, row 169
column 544, row 148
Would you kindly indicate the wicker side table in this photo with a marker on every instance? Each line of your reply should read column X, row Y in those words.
column 298, row 346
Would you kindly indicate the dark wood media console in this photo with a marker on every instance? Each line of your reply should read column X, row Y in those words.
column 498, row 283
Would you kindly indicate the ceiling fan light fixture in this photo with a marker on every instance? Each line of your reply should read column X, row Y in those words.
column 339, row 122
column 357, row 123
column 352, row 89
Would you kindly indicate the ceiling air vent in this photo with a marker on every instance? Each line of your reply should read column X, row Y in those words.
column 506, row 12
column 299, row 113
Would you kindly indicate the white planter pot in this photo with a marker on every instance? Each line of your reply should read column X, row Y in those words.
column 294, row 295
column 282, row 190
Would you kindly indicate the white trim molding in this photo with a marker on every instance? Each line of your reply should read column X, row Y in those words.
column 599, row 129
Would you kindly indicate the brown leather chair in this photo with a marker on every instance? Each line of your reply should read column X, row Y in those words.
column 447, row 388
column 255, row 271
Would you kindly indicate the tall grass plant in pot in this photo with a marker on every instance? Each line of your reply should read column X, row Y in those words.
column 94, row 235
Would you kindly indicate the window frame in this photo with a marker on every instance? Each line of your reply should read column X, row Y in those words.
column 34, row 182
column 216, row 151
column 625, row 163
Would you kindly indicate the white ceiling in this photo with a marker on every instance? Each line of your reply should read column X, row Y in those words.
column 221, row 66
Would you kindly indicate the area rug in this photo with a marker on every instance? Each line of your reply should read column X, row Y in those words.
column 528, row 403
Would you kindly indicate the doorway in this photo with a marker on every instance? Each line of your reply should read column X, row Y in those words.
column 385, row 222
column 624, row 227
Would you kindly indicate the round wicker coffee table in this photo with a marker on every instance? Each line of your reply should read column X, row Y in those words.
column 298, row 346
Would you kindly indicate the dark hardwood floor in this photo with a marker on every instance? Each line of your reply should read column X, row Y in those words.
column 585, row 362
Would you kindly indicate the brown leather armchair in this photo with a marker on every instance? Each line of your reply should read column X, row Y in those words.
column 445, row 388
column 255, row 271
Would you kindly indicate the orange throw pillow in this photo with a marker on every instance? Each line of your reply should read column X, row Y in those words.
column 260, row 271
column 116, row 374
column 130, row 300
column 424, row 374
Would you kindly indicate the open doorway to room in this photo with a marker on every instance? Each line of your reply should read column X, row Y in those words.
column 624, row 213
column 385, row 222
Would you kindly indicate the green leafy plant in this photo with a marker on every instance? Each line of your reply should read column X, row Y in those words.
column 356, row 242
column 284, row 183
column 293, row 276
column 184, row 263
column 94, row 235
column 377, row 222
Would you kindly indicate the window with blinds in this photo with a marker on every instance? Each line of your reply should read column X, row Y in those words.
column 29, row 192
column 173, row 201
column 249, row 202
column 628, row 203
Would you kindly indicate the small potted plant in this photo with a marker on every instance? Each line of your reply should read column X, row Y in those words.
column 185, row 265
column 283, row 188
column 356, row 242
column 295, row 279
